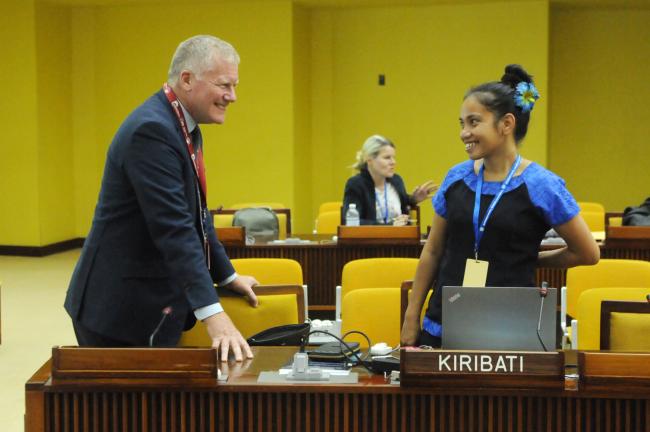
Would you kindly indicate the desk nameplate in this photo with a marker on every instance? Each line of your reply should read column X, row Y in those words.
column 521, row 369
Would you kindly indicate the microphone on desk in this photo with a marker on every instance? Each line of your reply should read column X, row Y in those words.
column 543, row 291
column 165, row 313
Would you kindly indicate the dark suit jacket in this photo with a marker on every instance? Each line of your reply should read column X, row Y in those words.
column 144, row 250
column 360, row 190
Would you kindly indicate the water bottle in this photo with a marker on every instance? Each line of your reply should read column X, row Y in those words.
column 352, row 215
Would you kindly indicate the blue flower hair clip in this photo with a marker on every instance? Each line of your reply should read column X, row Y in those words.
column 525, row 96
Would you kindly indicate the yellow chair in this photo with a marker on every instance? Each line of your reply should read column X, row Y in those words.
column 373, row 273
column 278, row 305
column 330, row 206
column 375, row 312
column 595, row 220
column 273, row 271
column 586, row 330
column 273, row 205
column 625, row 325
column 222, row 220
column 607, row 273
column 328, row 222
column 267, row 271
column 591, row 206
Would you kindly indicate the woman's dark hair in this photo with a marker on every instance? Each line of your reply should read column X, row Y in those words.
column 499, row 98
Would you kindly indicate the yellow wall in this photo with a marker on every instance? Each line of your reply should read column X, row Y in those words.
column 598, row 131
column 19, row 222
column 303, row 175
column 55, row 174
column 308, row 97
column 250, row 157
column 430, row 56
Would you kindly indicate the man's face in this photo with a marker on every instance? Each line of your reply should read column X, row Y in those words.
column 208, row 94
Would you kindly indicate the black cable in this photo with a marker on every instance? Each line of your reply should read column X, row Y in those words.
column 358, row 361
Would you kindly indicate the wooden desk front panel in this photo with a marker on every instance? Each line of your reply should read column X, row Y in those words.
column 372, row 405
column 279, row 411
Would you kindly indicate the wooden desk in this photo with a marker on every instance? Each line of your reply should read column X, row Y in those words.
column 372, row 405
column 322, row 261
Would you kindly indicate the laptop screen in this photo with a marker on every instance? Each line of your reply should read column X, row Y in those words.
column 498, row 318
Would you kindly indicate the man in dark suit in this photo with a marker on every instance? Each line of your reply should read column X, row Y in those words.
column 152, row 251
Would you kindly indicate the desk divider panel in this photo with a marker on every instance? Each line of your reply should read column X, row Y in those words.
column 175, row 364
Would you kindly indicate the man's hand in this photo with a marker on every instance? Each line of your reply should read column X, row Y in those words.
column 243, row 285
column 226, row 337
column 423, row 191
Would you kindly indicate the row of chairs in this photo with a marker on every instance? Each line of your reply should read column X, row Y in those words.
column 372, row 297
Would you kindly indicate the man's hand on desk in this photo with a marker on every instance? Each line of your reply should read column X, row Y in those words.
column 243, row 285
column 226, row 337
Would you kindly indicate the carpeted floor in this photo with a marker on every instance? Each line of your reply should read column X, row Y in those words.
column 33, row 320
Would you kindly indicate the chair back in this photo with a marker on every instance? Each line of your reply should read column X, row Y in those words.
column 625, row 325
column 595, row 220
column 222, row 218
column 591, row 206
column 607, row 273
column 328, row 222
column 589, row 308
column 270, row 271
column 331, row 206
column 273, row 205
column 376, row 273
column 278, row 305
column 375, row 312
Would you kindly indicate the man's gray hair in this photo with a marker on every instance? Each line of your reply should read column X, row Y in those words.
column 198, row 53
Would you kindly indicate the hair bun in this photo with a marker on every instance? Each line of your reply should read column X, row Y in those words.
column 514, row 75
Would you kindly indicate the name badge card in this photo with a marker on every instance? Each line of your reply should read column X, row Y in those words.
column 475, row 273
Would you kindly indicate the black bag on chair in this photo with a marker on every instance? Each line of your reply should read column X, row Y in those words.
column 637, row 216
column 284, row 335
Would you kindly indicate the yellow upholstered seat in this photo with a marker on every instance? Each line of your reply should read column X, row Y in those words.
column 629, row 331
column 374, row 273
column 274, row 306
column 595, row 220
column 330, row 206
column 222, row 220
column 328, row 222
column 607, row 273
column 273, row 205
column 589, row 304
column 270, row 271
column 375, row 312
column 591, row 206
column 278, row 305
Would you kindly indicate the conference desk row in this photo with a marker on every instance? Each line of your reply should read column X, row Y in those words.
column 59, row 397
column 322, row 259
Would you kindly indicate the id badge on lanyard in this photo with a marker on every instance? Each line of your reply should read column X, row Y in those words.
column 476, row 270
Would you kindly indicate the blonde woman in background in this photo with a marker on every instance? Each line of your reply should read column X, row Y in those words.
column 379, row 193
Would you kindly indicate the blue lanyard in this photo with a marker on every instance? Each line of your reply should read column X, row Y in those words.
column 385, row 201
column 479, row 231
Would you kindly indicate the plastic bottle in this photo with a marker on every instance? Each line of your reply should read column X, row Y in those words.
column 352, row 215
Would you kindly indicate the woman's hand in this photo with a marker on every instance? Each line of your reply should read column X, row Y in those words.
column 410, row 332
column 423, row 191
column 401, row 220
